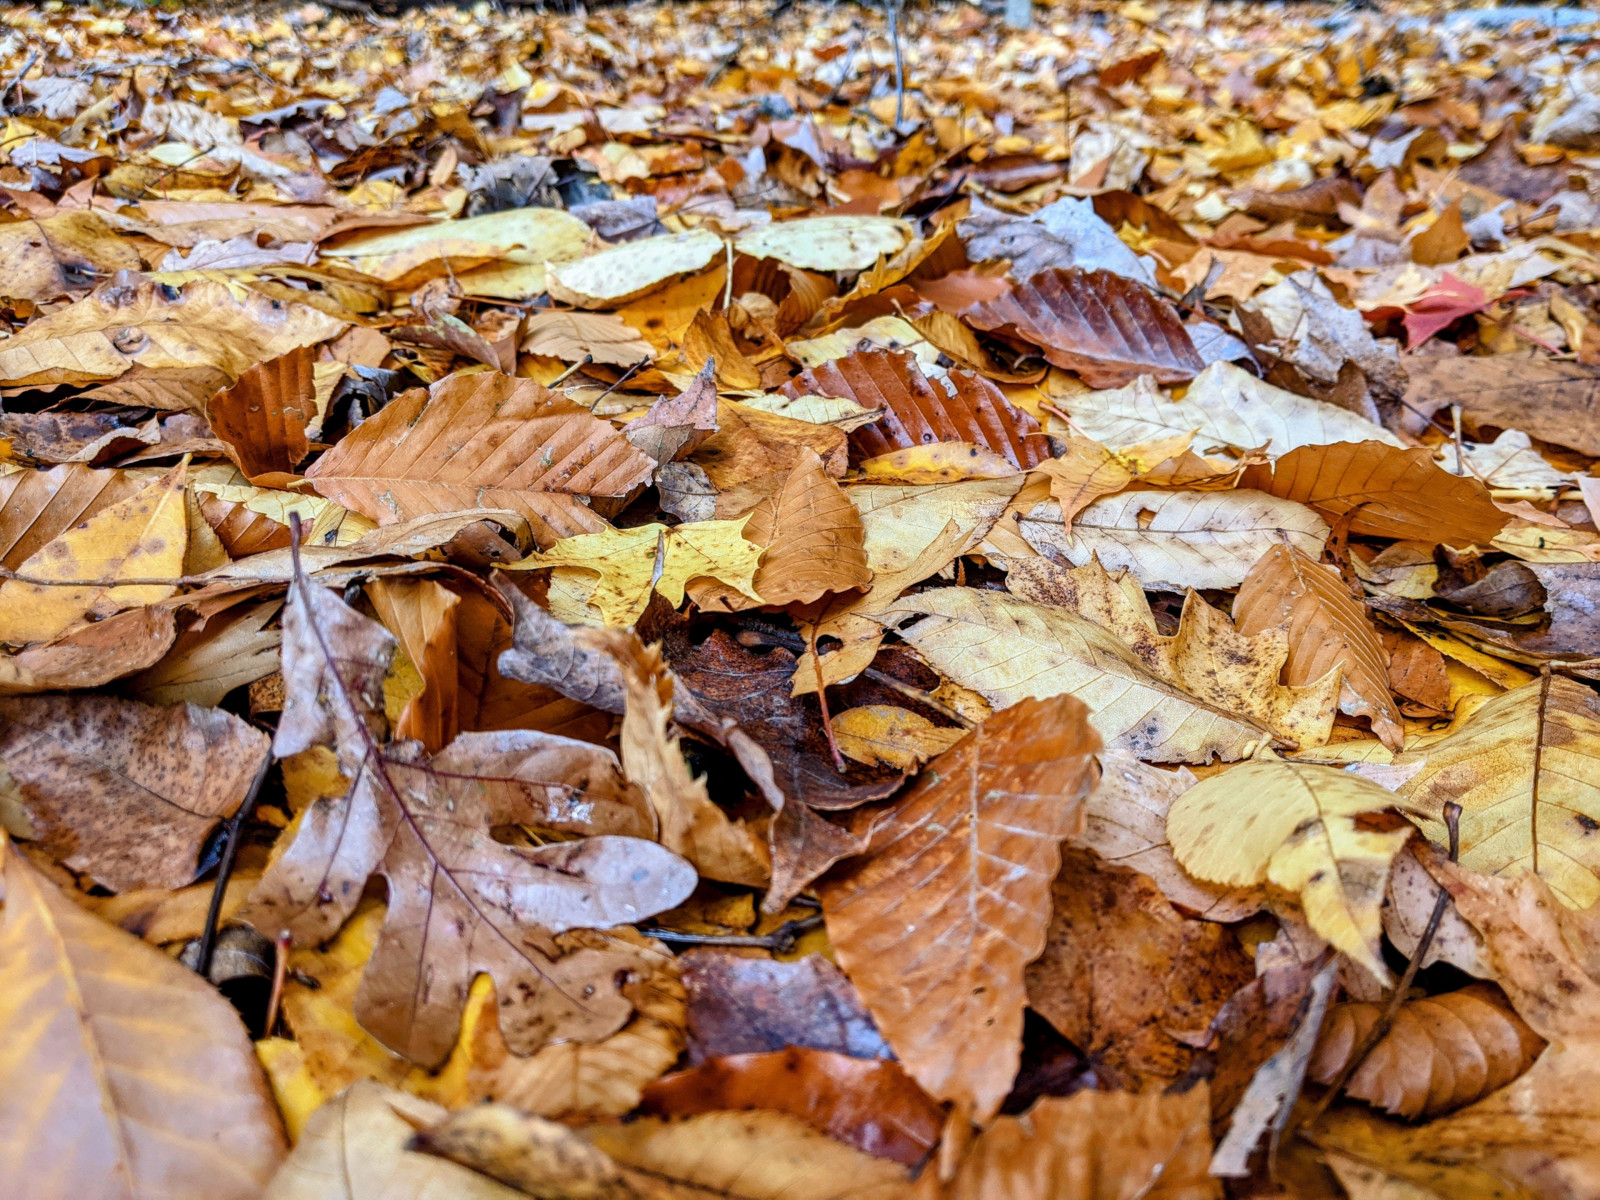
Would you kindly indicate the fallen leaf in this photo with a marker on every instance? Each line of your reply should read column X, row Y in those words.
column 1292, row 824
column 1007, row 650
column 573, row 336
column 1107, row 329
column 90, row 653
column 1552, row 400
column 518, row 245
column 262, row 418
column 868, row 1103
column 880, row 734
column 1122, row 972
column 676, row 426
column 618, row 274
column 62, row 255
column 1524, row 768
column 1065, row 234
column 142, row 537
column 1383, row 492
column 842, row 243
column 1440, row 1054
column 511, row 444
column 945, row 980
column 1327, row 629
column 142, row 1082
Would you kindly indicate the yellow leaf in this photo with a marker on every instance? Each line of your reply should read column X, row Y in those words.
column 1291, row 824
column 834, row 243
column 941, row 462
column 518, row 242
column 621, row 273
column 894, row 737
column 142, row 537
column 633, row 563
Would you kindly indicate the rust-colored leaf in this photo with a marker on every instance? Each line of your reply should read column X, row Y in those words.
column 262, row 419
column 1108, row 329
column 936, row 923
column 919, row 411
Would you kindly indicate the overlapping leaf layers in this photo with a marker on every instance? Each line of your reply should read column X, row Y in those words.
column 970, row 612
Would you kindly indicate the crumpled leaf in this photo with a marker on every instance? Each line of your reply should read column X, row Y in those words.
column 142, row 537
column 1525, row 768
column 938, row 953
column 452, row 888
column 1326, row 629
column 1207, row 657
column 1441, row 1052
column 1106, row 328
column 1007, row 649
column 511, row 444
column 136, row 321
column 1292, row 824
column 919, row 411
column 124, row 792
column 1065, row 234
column 128, row 1076
column 1173, row 540
column 676, row 426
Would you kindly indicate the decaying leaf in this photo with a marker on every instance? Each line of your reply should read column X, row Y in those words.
column 263, row 417
column 140, row 1081
column 1292, row 824
column 940, row 964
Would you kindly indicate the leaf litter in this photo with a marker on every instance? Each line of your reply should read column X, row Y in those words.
column 810, row 602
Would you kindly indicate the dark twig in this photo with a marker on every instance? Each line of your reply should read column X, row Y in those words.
column 16, row 80
column 621, row 379
column 780, row 941
column 1452, row 820
column 235, row 827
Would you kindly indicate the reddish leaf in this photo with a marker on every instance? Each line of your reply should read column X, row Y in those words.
column 918, row 411
column 1108, row 329
column 262, row 418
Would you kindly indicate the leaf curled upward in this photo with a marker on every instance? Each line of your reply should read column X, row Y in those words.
column 937, row 921
column 459, row 901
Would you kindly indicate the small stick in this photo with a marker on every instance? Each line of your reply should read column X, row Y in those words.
column 899, row 65
column 280, row 968
column 621, row 379
column 917, row 694
column 822, row 699
column 16, row 80
column 780, row 940
column 1455, row 420
column 1452, row 821
column 208, row 937
column 573, row 370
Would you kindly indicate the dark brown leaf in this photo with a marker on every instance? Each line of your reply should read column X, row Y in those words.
column 262, row 419
column 1552, row 400
column 676, row 426
column 1108, row 329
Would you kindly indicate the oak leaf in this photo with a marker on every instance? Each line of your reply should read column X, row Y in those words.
column 1525, row 768
column 1108, row 329
column 127, row 1076
column 938, row 953
column 1326, row 629
column 124, row 792
column 459, row 902
column 1007, row 649
column 1383, row 492
column 1441, row 1052
column 1292, row 824
column 482, row 441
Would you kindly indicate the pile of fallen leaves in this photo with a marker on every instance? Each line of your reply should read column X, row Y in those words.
column 811, row 609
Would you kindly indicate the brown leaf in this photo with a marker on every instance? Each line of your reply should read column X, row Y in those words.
column 1093, row 1146
column 127, row 1076
column 90, row 654
column 459, row 902
column 574, row 660
column 36, row 507
column 124, row 792
column 676, row 426
column 919, row 411
column 709, row 343
column 1550, row 399
column 1416, row 670
column 1327, row 628
column 753, row 451
column 740, row 1005
column 1441, row 1052
column 936, row 923
column 61, row 255
column 870, row 1104
column 1122, row 972
column 572, row 336
column 1108, row 329
column 262, row 419
column 482, row 441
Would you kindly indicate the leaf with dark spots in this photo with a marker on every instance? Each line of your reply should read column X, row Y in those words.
column 919, row 411
column 460, row 902
column 740, row 1005
column 1108, row 329
column 127, row 793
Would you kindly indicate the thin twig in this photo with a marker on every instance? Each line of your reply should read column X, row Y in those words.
column 899, row 63
column 572, row 370
column 917, row 694
column 780, row 941
column 822, row 700
column 235, row 826
column 621, row 379
column 16, row 80
column 280, row 968
column 1452, row 820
